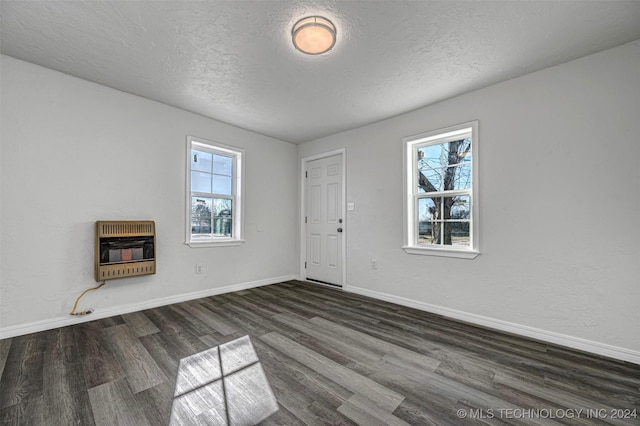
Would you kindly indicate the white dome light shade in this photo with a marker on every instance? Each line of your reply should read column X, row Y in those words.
column 314, row 35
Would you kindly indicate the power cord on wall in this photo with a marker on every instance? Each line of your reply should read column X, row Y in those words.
column 75, row 305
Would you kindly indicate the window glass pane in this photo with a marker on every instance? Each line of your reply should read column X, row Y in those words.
column 428, row 232
column 222, row 165
column 458, row 151
column 201, row 209
column 458, row 177
column 444, row 154
column 431, row 156
column 201, row 160
column 200, row 182
column 222, row 184
column 429, row 208
column 456, row 234
column 429, row 220
column 429, row 180
column 465, row 151
column 460, row 207
column 222, row 221
column 425, row 232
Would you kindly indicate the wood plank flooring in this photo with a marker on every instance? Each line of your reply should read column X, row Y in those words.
column 296, row 353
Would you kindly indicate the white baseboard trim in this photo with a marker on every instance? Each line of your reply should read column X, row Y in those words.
column 509, row 327
column 36, row 326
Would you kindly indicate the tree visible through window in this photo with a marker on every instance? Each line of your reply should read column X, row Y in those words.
column 440, row 189
column 214, row 182
column 443, row 168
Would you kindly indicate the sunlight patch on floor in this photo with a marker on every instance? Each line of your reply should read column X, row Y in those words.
column 224, row 385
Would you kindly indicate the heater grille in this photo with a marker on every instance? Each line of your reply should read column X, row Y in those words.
column 125, row 249
column 126, row 229
column 110, row 272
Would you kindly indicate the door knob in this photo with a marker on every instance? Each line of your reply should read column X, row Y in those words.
column 339, row 229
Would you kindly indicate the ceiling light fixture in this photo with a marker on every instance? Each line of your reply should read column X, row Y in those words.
column 314, row 35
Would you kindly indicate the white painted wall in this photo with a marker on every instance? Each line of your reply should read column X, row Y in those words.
column 560, row 203
column 74, row 152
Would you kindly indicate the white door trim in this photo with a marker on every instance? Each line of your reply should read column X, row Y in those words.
column 303, row 199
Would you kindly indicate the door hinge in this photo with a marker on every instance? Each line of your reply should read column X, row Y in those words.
column 305, row 219
column 306, row 174
column 305, row 265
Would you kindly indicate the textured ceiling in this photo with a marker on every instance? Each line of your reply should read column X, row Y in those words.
column 234, row 60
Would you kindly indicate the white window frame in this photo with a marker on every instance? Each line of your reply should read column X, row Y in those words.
column 237, row 212
column 410, row 146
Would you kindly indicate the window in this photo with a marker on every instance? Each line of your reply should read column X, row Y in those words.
column 441, row 203
column 214, row 194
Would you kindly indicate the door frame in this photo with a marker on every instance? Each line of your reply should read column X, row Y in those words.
column 303, row 206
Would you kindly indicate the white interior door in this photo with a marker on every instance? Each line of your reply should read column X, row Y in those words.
column 324, row 224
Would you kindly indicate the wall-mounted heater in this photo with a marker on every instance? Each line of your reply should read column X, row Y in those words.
column 125, row 249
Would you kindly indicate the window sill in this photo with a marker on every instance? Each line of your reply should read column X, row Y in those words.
column 427, row 251
column 222, row 243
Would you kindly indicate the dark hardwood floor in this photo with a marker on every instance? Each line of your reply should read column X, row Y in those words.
column 295, row 353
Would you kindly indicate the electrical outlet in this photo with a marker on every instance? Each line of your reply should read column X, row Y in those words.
column 198, row 268
column 374, row 264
